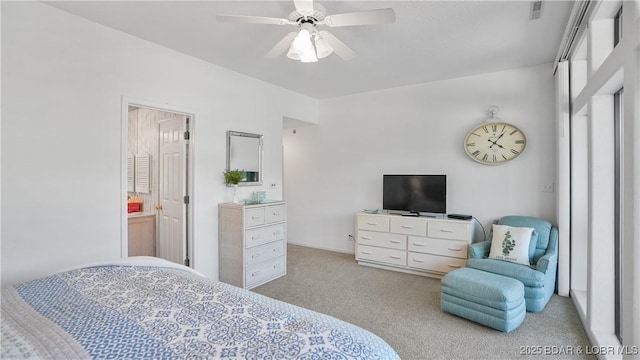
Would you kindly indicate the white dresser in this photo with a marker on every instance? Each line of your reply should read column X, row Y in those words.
column 252, row 243
column 417, row 245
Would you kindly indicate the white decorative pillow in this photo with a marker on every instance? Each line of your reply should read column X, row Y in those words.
column 511, row 243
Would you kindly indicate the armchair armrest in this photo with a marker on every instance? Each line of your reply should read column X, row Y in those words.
column 545, row 261
column 480, row 249
column 550, row 259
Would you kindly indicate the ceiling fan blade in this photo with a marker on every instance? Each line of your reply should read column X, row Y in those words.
column 304, row 7
column 281, row 46
column 368, row 17
column 339, row 48
column 253, row 19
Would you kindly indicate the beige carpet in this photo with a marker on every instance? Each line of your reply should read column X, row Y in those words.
column 404, row 310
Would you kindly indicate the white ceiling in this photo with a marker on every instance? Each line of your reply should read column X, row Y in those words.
column 430, row 40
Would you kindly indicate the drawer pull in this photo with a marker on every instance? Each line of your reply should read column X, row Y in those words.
column 372, row 223
column 276, row 250
column 276, row 214
column 365, row 252
column 418, row 244
column 454, row 266
column 395, row 257
column 365, row 238
column 276, row 266
column 394, row 241
column 455, row 249
column 255, row 217
column 407, row 227
column 254, row 237
column 418, row 261
column 255, row 273
column 447, row 230
column 255, row 256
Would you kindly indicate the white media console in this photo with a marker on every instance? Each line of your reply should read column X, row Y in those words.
column 417, row 245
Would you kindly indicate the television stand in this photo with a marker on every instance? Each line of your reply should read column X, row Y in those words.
column 417, row 245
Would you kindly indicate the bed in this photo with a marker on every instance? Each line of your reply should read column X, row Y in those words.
column 145, row 307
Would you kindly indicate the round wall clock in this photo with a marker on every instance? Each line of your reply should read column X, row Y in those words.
column 494, row 143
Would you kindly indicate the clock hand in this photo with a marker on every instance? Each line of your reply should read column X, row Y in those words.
column 496, row 142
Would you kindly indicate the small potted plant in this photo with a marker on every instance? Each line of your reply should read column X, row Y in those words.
column 232, row 178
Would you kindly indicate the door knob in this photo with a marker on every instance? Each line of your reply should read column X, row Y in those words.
column 158, row 207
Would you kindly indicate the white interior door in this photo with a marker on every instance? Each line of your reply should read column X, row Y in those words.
column 172, row 190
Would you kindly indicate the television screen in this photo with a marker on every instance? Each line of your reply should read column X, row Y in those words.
column 415, row 193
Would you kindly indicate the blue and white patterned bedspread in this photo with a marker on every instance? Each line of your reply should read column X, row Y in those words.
column 137, row 312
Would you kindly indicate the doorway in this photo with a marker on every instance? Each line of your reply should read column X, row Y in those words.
column 157, row 145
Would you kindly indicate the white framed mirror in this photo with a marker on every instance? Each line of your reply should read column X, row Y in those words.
column 244, row 153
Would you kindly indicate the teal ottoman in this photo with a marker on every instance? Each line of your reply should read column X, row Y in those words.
column 489, row 299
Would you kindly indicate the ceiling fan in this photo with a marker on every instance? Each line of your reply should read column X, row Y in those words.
column 308, row 44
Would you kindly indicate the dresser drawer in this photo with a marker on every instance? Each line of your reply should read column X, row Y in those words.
column 265, row 271
column 451, row 248
column 449, row 230
column 442, row 264
column 375, row 223
column 275, row 213
column 254, row 216
column 263, row 235
column 258, row 254
column 383, row 255
column 372, row 238
column 403, row 225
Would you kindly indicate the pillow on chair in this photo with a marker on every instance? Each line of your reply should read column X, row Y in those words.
column 511, row 243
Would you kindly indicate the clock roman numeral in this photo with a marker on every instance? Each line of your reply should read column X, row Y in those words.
column 471, row 144
column 494, row 158
column 519, row 141
column 494, row 127
column 515, row 151
column 485, row 129
column 504, row 157
column 513, row 132
column 476, row 153
column 485, row 157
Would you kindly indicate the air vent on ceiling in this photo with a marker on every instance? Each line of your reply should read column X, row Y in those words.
column 536, row 10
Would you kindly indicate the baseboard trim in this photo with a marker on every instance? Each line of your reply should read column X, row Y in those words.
column 322, row 248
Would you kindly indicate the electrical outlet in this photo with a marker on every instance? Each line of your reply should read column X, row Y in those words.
column 550, row 187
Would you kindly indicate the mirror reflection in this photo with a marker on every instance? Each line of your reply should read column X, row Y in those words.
column 244, row 153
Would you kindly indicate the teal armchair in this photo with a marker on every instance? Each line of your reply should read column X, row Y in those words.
column 539, row 278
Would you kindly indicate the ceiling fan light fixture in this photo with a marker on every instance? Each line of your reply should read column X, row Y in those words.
column 302, row 47
column 293, row 54
column 309, row 56
column 302, row 41
column 323, row 49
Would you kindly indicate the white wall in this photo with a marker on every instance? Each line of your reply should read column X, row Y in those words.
column 335, row 168
column 63, row 80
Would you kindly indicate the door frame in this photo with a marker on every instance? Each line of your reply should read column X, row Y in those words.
column 189, row 153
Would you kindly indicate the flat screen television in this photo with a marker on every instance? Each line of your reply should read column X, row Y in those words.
column 415, row 193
